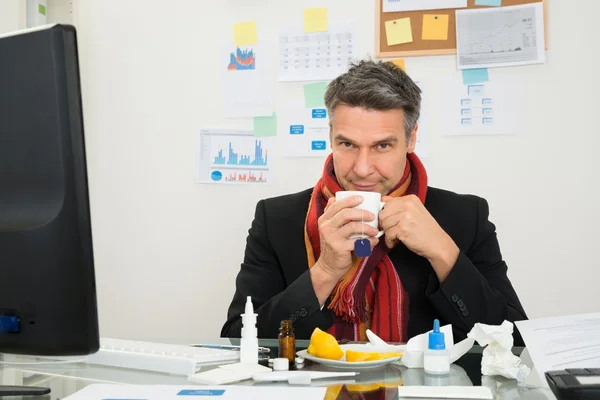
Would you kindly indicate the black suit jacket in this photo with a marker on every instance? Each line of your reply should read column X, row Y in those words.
column 275, row 272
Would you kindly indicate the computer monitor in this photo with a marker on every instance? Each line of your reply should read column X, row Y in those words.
column 47, row 283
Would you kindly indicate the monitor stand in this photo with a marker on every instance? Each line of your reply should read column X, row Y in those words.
column 23, row 391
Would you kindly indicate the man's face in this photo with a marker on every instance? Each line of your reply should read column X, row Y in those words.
column 369, row 148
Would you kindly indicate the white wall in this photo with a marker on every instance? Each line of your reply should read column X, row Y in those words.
column 167, row 249
column 12, row 15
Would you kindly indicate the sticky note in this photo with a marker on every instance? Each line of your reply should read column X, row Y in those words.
column 496, row 3
column 265, row 126
column 315, row 20
column 400, row 63
column 41, row 9
column 244, row 33
column 398, row 31
column 314, row 94
column 435, row 27
column 475, row 75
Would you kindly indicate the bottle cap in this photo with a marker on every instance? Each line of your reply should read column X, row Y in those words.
column 436, row 338
column 281, row 364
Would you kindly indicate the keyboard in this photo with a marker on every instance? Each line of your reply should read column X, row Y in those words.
column 159, row 357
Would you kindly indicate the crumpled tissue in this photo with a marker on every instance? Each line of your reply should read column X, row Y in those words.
column 498, row 358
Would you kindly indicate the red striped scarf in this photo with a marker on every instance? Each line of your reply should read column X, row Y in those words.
column 370, row 295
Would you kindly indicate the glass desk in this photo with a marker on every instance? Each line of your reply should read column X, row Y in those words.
column 66, row 378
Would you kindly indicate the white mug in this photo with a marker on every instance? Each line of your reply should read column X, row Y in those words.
column 372, row 202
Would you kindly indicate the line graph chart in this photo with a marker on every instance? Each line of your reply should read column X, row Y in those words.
column 499, row 37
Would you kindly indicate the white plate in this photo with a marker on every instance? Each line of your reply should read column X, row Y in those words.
column 342, row 363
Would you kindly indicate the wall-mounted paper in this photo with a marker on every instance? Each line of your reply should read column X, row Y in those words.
column 304, row 132
column 315, row 56
column 500, row 36
column 244, row 33
column 435, row 27
column 265, row 126
column 315, row 20
column 398, row 31
column 247, row 80
column 496, row 107
column 314, row 94
column 234, row 156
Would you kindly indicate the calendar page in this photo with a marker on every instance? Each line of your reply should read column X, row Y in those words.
column 315, row 56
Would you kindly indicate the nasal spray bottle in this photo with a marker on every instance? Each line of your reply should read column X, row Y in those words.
column 249, row 341
column 436, row 360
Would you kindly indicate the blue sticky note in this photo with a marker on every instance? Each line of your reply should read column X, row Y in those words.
column 495, row 3
column 475, row 75
column 202, row 392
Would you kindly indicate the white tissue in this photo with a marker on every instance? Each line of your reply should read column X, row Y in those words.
column 414, row 350
column 497, row 357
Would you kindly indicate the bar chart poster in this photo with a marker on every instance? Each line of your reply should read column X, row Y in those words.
column 234, row 157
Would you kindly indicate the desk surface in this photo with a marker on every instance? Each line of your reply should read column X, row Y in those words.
column 65, row 379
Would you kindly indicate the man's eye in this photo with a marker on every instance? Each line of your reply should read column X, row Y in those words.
column 384, row 145
column 346, row 144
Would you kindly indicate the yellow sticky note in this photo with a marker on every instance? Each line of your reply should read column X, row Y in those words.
column 398, row 31
column 244, row 33
column 315, row 20
column 400, row 63
column 435, row 27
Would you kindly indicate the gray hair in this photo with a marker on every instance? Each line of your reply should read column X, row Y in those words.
column 376, row 85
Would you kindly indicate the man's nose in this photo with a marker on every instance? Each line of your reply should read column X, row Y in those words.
column 362, row 166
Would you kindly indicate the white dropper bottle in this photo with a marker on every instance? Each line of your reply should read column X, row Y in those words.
column 436, row 360
column 249, row 341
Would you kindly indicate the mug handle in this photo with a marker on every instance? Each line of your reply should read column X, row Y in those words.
column 381, row 205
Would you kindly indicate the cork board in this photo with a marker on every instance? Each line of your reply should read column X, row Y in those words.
column 420, row 47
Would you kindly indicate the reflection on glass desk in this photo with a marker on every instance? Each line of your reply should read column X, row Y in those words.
column 66, row 378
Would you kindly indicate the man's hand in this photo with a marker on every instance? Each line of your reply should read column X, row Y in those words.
column 407, row 220
column 338, row 222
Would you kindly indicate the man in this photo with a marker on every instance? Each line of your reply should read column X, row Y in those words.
column 438, row 258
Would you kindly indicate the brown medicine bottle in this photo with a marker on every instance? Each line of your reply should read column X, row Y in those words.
column 287, row 341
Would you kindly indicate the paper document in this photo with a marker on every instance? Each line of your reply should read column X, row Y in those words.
column 558, row 343
column 500, row 37
column 247, row 80
column 496, row 107
column 414, row 5
column 315, row 56
column 168, row 392
column 234, row 157
column 305, row 132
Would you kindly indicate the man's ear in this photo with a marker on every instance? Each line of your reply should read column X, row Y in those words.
column 412, row 142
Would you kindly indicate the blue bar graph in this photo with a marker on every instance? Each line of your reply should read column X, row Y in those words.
column 234, row 158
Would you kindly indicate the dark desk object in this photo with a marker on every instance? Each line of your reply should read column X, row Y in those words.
column 575, row 384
